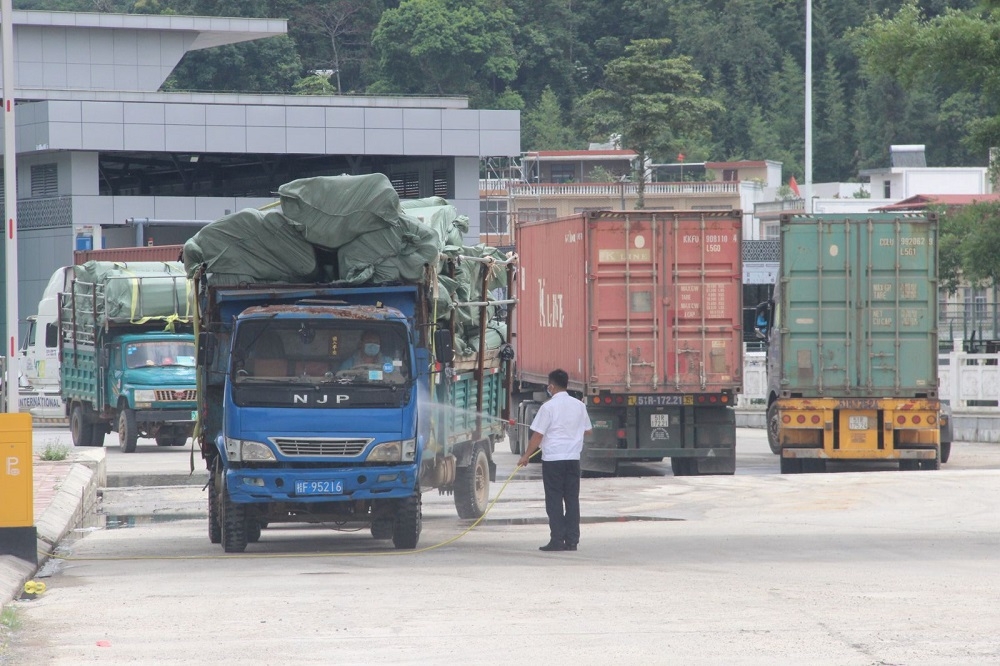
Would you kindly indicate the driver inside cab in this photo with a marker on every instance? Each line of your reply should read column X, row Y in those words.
column 369, row 353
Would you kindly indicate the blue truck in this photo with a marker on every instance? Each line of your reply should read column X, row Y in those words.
column 296, row 425
column 127, row 353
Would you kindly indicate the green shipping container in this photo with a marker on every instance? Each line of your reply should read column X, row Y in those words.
column 858, row 305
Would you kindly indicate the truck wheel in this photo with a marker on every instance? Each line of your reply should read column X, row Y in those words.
column 791, row 466
column 128, row 431
column 472, row 485
column 813, row 466
column 382, row 529
column 908, row 465
column 681, row 466
column 945, row 451
column 406, row 525
column 80, row 429
column 253, row 531
column 234, row 524
column 214, row 524
column 931, row 464
column 772, row 429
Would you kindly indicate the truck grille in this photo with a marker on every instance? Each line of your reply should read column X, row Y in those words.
column 305, row 446
column 178, row 395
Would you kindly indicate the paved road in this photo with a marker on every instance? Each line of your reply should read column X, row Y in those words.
column 858, row 567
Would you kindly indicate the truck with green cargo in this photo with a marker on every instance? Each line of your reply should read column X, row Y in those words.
column 126, row 353
column 350, row 359
column 852, row 342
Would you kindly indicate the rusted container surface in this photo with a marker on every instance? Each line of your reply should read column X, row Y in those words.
column 145, row 253
column 634, row 301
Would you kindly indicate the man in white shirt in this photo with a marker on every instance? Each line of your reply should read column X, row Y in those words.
column 558, row 429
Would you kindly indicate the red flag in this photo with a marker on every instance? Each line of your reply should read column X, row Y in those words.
column 795, row 186
column 680, row 157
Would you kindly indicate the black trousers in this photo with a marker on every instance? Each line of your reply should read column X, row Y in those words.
column 561, row 479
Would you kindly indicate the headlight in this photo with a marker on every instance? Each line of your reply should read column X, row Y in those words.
column 394, row 451
column 238, row 450
column 145, row 395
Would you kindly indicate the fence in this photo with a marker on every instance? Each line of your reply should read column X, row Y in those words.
column 964, row 380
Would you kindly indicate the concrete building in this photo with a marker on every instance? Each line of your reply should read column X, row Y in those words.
column 106, row 159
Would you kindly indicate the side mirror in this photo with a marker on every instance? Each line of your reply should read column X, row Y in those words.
column 443, row 350
column 762, row 320
column 206, row 349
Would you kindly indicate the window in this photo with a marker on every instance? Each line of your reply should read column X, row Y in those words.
column 493, row 216
column 44, row 180
column 441, row 183
column 886, row 189
column 51, row 336
column 407, row 185
column 562, row 173
column 771, row 231
column 730, row 175
column 975, row 302
column 536, row 214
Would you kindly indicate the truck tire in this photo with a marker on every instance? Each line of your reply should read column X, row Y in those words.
column 472, row 485
column 406, row 524
column 81, row 430
column 772, row 429
column 931, row 464
column 214, row 523
column 234, row 524
column 253, row 531
column 945, row 451
column 128, row 430
column 681, row 466
column 382, row 529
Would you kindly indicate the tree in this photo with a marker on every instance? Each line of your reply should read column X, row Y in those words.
column 650, row 100
column 970, row 246
column 835, row 161
column 544, row 126
column 446, row 47
column 266, row 65
column 344, row 27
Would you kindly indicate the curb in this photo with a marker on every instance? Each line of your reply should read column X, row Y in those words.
column 76, row 498
column 198, row 478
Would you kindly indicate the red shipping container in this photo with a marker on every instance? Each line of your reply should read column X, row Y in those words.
column 144, row 253
column 645, row 302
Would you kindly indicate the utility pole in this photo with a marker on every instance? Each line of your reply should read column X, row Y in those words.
column 807, row 189
column 10, row 202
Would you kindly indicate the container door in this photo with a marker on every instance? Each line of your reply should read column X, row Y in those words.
column 702, row 302
column 624, row 336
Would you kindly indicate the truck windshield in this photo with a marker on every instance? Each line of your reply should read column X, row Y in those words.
column 329, row 351
column 159, row 353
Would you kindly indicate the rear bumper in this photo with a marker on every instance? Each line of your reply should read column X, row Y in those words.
column 895, row 454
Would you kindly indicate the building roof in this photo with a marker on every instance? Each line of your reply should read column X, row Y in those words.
column 743, row 164
column 561, row 155
column 923, row 201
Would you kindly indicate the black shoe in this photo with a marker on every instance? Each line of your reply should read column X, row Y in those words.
column 570, row 546
column 553, row 545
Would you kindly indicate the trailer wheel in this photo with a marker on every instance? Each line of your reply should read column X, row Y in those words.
column 234, row 524
column 128, row 430
column 214, row 524
column 406, row 524
column 472, row 485
column 772, row 429
column 945, row 451
column 908, row 465
column 80, row 429
column 682, row 466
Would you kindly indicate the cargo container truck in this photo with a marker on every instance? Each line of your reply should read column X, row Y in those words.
column 291, row 436
column 852, row 342
column 126, row 353
column 643, row 310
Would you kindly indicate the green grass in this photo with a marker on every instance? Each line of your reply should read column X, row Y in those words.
column 9, row 623
column 54, row 451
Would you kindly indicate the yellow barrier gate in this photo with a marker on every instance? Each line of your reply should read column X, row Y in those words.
column 18, row 535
